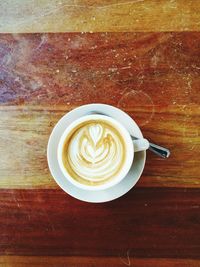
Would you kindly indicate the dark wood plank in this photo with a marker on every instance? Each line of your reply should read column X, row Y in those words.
column 161, row 223
column 74, row 261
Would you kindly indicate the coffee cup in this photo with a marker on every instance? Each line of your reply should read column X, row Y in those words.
column 95, row 152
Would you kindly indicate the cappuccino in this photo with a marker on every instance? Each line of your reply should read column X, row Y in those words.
column 94, row 152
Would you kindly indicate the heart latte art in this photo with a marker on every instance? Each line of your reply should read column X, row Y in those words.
column 94, row 152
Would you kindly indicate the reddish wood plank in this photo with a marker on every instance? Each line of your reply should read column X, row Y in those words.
column 144, row 223
column 120, row 261
column 74, row 68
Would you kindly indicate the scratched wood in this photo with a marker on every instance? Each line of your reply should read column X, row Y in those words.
column 148, row 222
column 99, row 16
column 160, row 69
column 120, row 261
column 152, row 76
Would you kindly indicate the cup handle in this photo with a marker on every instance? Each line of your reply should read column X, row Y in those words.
column 140, row 144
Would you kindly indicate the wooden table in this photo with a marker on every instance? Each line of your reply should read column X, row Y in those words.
column 141, row 56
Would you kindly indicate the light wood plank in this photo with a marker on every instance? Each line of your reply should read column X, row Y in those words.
column 99, row 16
column 24, row 133
column 121, row 261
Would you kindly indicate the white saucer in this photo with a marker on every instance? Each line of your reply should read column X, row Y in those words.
column 99, row 196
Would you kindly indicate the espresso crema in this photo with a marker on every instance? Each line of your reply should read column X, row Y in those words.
column 94, row 152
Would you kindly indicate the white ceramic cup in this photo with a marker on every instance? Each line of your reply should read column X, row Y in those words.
column 132, row 146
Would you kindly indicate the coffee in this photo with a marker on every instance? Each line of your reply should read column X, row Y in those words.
column 94, row 152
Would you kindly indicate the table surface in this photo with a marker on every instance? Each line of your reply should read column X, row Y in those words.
column 140, row 56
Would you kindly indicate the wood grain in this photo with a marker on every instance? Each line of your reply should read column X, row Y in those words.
column 24, row 134
column 99, row 16
column 49, row 222
column 152, row 76
column 73, row 69
column 40, row 261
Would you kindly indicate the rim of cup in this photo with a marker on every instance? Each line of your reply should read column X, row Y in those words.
column 129, row 152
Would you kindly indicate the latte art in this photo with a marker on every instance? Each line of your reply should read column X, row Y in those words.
column 94, row 153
